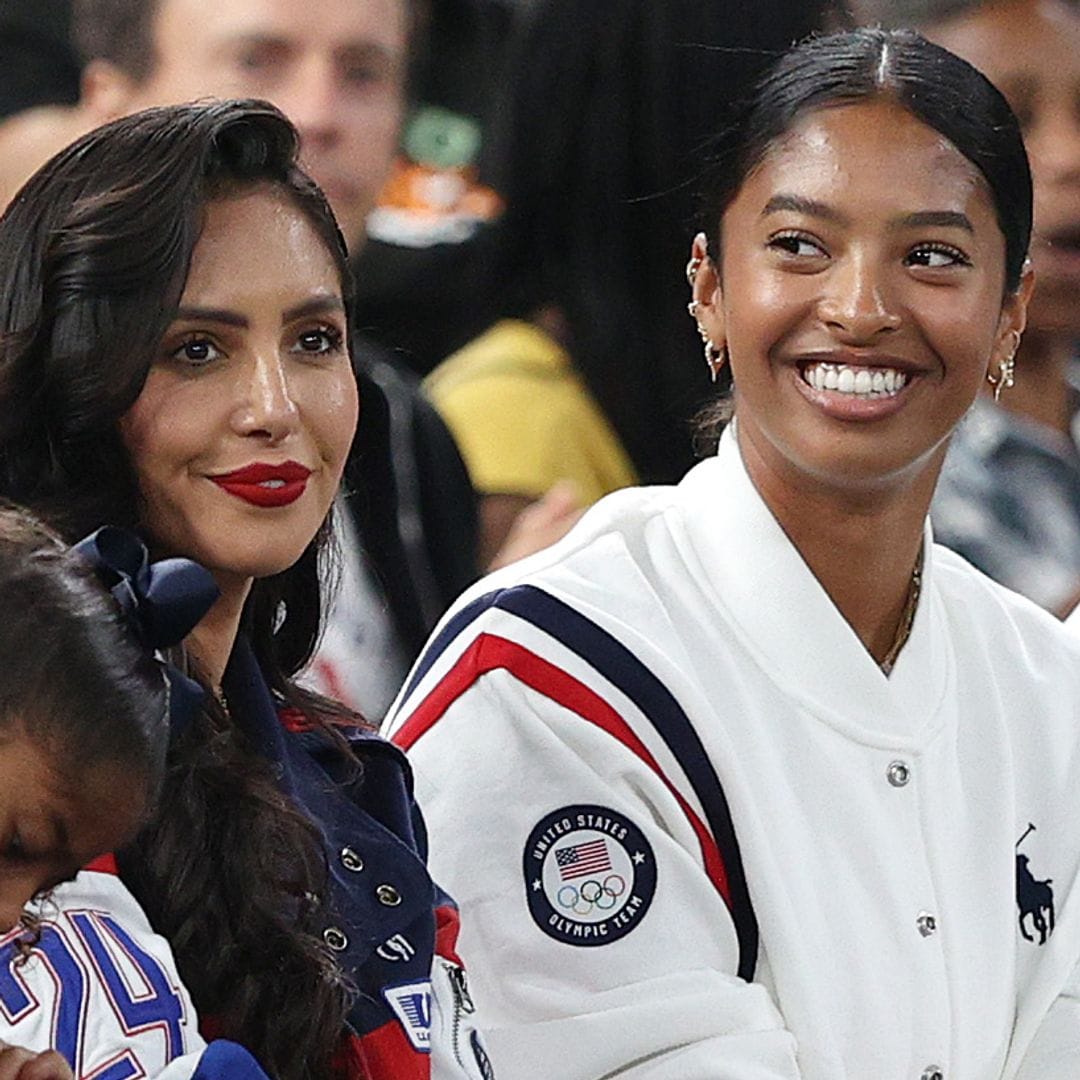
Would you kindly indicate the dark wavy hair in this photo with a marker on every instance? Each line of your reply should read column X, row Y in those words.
column 934, row 85
column 86, row 692
column 94, row 254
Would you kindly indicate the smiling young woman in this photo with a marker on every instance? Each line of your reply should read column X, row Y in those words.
column 239, row 436
column 861, row 307
column 785, row 790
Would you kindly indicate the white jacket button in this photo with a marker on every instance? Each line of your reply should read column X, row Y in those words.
column 898, row 773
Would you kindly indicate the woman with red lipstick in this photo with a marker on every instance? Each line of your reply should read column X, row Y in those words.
column 785, row 790
column 174, row 357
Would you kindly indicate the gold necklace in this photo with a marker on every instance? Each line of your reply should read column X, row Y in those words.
column 907, row 617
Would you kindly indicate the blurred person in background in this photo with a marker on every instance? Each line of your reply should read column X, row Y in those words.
column 431, row 229
column 586, row 378
column 1009, row 497
column 39, row 82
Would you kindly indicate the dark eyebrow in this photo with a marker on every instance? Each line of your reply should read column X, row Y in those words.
column 800, row 205
column 366, row 50
column 919, row 219
column 359, row 48
column 948, row 219
column 317, row 305
column 218, row 315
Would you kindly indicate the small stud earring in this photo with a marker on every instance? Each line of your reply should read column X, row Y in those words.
column 692, row 267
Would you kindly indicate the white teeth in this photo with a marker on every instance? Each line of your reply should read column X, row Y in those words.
column 272, row 483
column 860, row 381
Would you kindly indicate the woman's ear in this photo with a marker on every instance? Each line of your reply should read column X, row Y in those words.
column 106, row 92
column 1001, row 373
column 1014, row 315
column 706, row 304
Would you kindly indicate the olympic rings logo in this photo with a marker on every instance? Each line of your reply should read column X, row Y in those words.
column 592, row 894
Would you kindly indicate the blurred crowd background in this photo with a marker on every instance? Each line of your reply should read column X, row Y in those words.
column 516, row 180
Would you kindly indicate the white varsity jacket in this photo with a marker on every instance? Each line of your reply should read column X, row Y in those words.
column 696, row 834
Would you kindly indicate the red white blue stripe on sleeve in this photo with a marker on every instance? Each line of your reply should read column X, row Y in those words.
column 616, row 665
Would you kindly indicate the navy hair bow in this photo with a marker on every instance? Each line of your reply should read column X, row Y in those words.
column 162, row 603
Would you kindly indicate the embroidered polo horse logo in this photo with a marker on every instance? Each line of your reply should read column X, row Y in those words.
column 1035, row 899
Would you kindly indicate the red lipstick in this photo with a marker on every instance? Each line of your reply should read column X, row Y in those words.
column 266, row 485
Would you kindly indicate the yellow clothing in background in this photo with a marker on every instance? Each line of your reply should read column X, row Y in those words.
column 523, row 419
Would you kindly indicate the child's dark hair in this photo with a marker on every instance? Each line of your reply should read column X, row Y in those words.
column 77, row 683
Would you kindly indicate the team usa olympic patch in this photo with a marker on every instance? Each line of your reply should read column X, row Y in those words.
column 590, row 875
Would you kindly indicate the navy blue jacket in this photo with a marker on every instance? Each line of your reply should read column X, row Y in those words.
column 386, row 919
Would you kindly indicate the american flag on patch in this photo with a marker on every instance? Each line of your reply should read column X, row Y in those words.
column 590, row 857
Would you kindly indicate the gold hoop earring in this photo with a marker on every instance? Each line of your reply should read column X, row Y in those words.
column 1006, row 373
column 716, row 358
column 714, row 355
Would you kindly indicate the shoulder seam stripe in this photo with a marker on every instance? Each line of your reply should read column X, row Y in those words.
column 445, row 637
column 489, row 653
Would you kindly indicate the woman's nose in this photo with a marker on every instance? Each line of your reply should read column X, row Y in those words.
column 267, row 406
column 856, row 301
